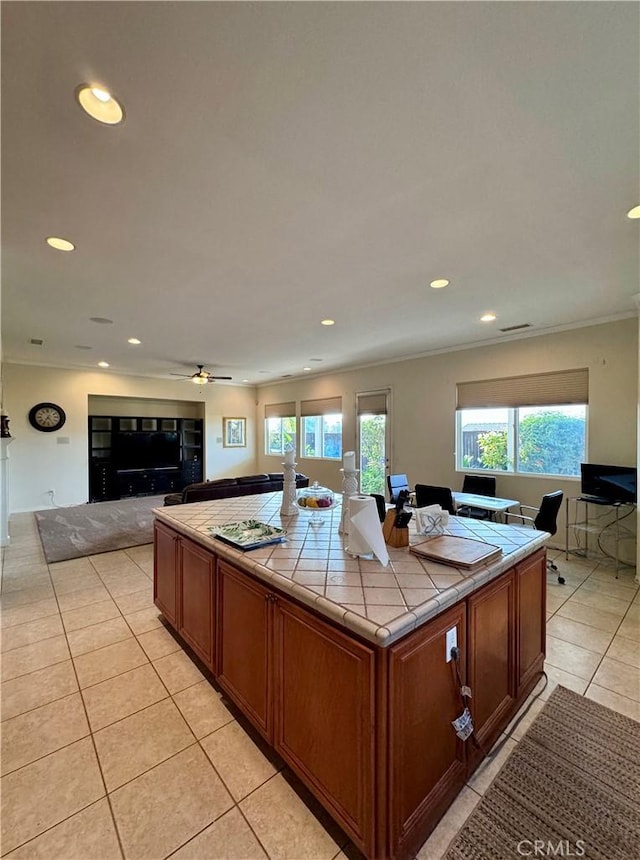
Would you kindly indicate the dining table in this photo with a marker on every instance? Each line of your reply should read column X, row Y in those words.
column 492, row 504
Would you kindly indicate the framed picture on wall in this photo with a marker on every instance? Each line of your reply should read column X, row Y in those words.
column 234, row 432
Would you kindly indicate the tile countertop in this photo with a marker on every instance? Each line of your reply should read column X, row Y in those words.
column 381, row 604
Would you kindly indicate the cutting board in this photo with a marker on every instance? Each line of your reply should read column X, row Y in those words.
column 457, row 551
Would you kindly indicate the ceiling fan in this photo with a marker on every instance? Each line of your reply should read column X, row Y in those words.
column 201, row 377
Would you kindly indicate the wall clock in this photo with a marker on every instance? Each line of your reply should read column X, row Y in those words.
column 47, row 417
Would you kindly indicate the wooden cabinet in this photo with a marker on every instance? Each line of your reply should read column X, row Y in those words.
column 243, row 634
column 427, row 760
column 184, row 589
column 368, row 729
column 325, row 715
column 531, row 589
column 165, row 572
column 491, row 669
column 196, row 599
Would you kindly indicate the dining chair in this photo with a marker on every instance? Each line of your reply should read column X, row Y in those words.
column 427, row 494
column 545, row 519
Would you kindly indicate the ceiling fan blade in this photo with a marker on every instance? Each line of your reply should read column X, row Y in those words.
column 213, row 378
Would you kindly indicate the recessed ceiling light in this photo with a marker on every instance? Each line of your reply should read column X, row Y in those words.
column 245, row 380
column 134, row 340
column 489, row 317
column 60, row 244
column 634, row 213
column 101, row 320
column 306, row 368
column 439, row 283
column 103, row 364
column 99, row 104
column 328, row 322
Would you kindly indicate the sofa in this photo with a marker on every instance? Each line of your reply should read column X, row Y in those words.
column 226, row 488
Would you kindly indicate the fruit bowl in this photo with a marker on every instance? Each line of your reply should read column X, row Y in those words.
column 316, row 500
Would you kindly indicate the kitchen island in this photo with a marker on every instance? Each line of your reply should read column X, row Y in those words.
column 341, row 663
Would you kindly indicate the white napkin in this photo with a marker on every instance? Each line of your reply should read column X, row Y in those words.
column 365, row 529
column 431, row 520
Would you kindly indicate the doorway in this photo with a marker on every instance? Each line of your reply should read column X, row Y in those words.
column 372, row 409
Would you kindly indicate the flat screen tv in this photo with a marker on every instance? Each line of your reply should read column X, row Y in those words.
column 144, row 450
column 611, row 483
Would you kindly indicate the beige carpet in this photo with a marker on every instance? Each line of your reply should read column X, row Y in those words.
column 572, row 784
column 98, row 527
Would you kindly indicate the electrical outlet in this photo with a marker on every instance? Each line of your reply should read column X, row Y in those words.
column 451, row 642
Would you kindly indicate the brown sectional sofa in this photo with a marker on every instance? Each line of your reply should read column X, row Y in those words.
column 226, row 488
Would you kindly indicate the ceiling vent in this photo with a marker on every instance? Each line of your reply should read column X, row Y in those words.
column 516, row 327
column 36, row 341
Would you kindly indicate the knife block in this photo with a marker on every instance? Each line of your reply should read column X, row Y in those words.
column 395, row 537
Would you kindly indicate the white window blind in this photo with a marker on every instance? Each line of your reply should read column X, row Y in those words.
column 372, row 404
column 280, row 410
column 324, row 406
column 538, row 389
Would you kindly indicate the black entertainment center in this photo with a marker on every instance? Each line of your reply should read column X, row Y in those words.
column 142, row 456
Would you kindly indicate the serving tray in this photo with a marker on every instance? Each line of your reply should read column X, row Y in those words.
column 457, row 551
column 248, row 534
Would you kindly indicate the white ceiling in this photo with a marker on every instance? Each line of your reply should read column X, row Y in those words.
column 285, row 162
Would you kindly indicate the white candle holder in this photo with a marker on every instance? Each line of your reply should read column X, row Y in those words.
column 349, row 488
column 289, row 507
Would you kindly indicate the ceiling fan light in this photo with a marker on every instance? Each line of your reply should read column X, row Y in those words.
column 200, row 379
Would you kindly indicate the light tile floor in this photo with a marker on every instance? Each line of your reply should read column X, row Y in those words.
column 115, row 745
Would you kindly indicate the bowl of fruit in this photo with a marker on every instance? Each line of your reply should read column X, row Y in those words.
column 316, row 500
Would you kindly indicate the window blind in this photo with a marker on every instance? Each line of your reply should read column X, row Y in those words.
column 280, row 410
column 372, row 404
column 538, row 389
column 324, row 406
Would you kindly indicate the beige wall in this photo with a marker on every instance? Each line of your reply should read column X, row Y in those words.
column 39, row 461
column 422, row 416
column 423, row 394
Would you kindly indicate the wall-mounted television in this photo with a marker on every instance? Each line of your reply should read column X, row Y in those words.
column 146, row 450
column 609, row 483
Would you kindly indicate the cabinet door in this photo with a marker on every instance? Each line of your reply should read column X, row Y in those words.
column 165, row 572
column 492, row 656
column 531, row 589
column 324, row 715
column 426, row 758
column 242, row 625
column 196, row 586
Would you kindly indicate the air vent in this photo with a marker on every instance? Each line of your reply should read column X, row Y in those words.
column 36, row 341
column 516, row 327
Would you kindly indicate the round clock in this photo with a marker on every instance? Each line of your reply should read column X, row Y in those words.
column 47, row 417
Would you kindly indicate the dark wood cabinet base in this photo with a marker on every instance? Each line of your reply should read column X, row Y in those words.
column 367, row 729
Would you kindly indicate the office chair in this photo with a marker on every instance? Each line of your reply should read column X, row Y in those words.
column 545, row 519
column 381, row 506
column 479, row 485
column 429, row 495
column 395, row 484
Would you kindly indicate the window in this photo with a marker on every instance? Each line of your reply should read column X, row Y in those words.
column 526, row 425
column 322, row 428
column 280, row 433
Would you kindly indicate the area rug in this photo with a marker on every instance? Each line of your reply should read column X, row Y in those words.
column 571, row 788
column 98, row 527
